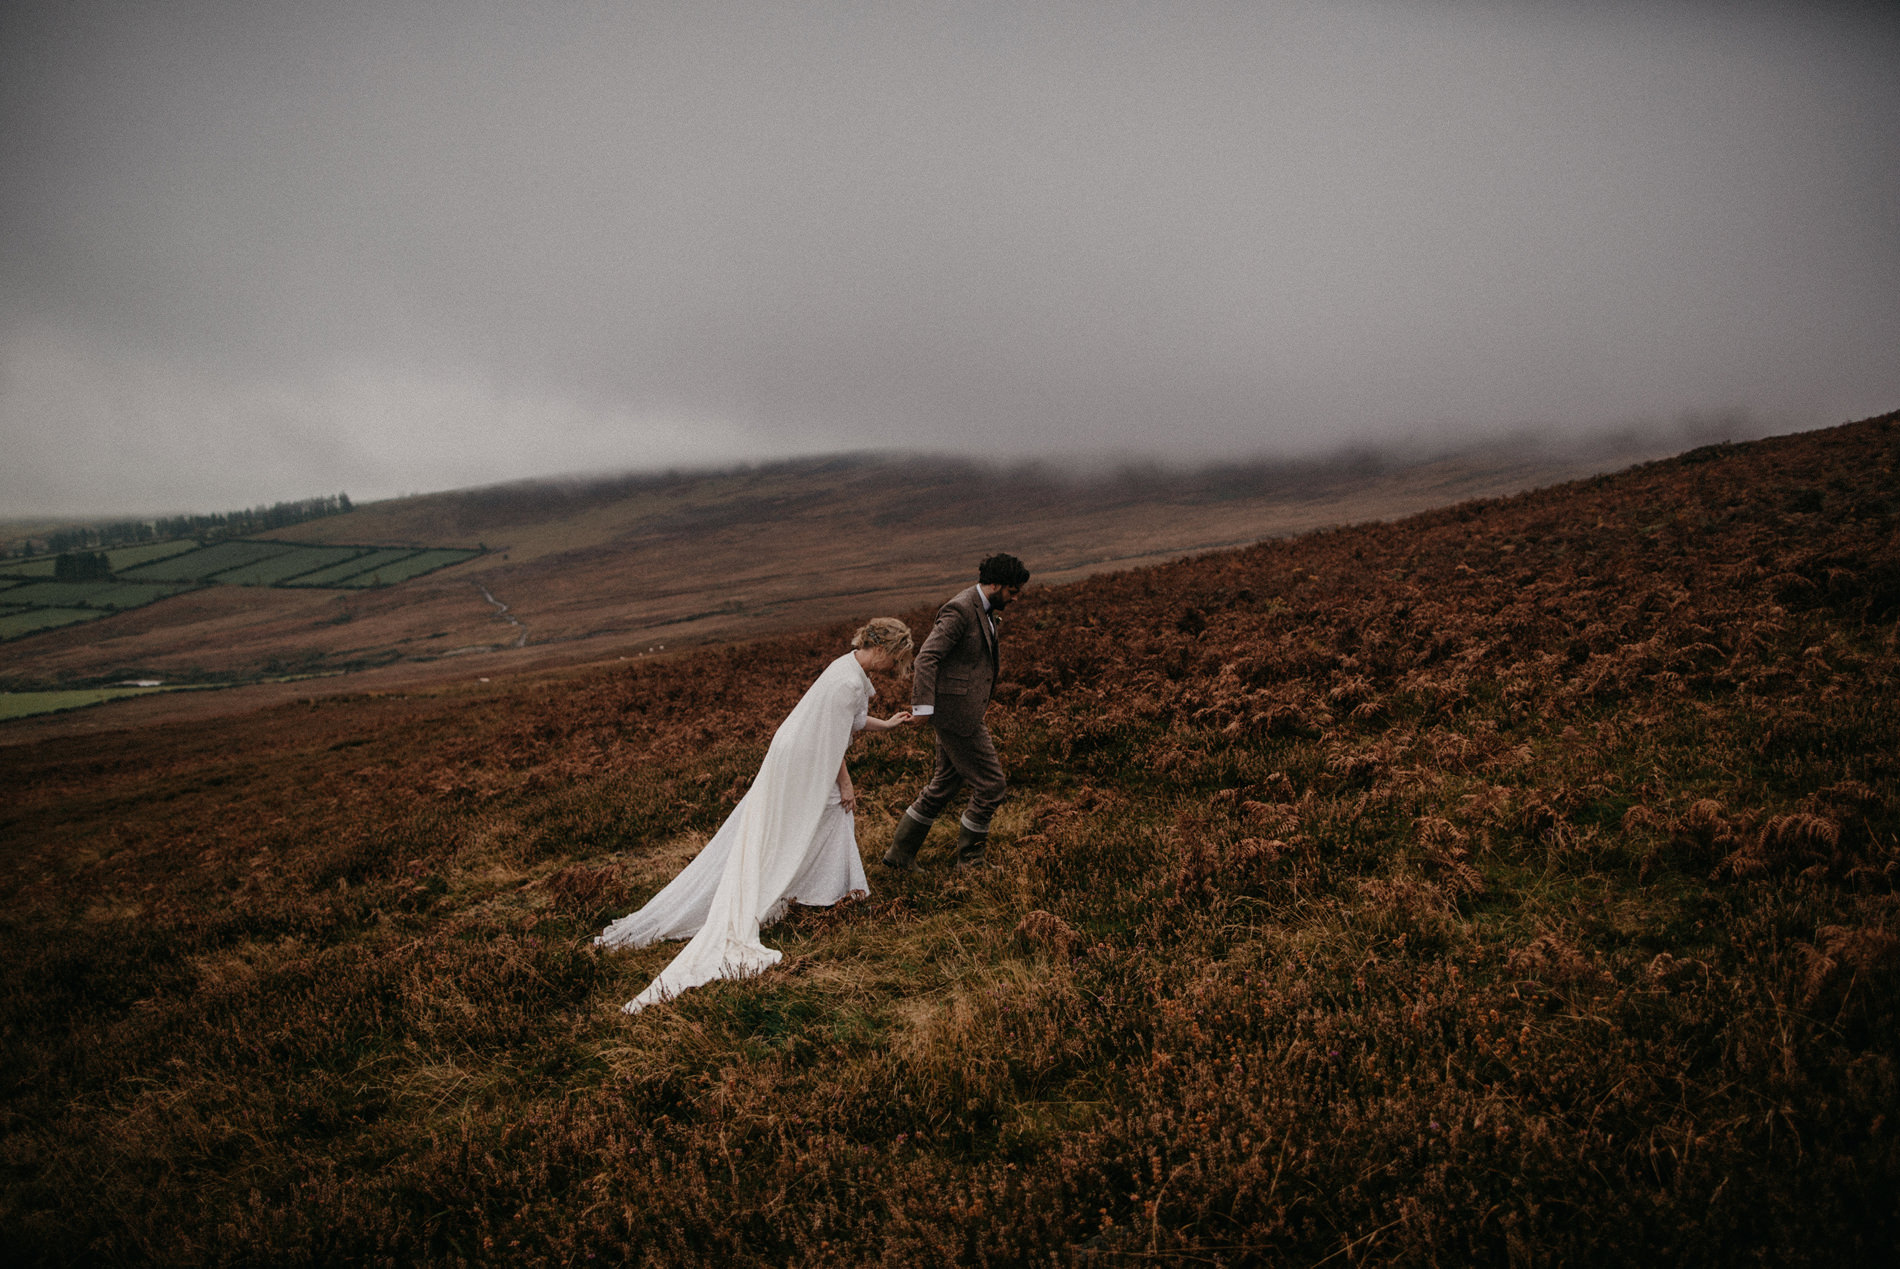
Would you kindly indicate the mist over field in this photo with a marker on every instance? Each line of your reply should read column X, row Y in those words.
column 263, row 252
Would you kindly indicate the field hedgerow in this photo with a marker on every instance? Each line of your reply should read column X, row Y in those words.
column 1513, row 883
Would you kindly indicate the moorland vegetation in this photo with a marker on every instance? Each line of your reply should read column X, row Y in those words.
column 1512, row 883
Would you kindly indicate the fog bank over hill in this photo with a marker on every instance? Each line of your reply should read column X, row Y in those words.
column 258, row 252
column 586, row 569
column 985, row 484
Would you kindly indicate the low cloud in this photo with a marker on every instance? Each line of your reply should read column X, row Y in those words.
column 262, row 252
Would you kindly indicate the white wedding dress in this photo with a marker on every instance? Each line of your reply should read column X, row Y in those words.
column 790, row 840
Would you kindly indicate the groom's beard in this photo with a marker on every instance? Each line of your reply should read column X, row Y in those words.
column 998, row 603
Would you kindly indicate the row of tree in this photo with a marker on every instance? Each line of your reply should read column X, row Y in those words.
column 225, row 524
column 82, row 566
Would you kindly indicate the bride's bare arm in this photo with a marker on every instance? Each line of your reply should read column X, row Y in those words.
column 897, row 720
column 846, row 794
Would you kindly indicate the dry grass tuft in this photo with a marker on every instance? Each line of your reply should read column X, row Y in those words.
column 1046, row 933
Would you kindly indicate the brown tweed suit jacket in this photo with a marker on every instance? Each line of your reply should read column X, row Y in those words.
column 956, row 668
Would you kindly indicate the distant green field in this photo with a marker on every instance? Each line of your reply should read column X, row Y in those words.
column 339, row 574
column 124, row 557
column 154, row 570
column 292, row 563
column 25, row 704
column 58, row 594
column 92, row 594
column 207, row 562
column 248, row 563
column 27, row 621
column 38, row 566
column 404, row 569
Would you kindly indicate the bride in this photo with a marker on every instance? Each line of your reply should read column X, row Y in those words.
column 789, row 840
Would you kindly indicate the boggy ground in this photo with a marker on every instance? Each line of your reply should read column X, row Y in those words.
column 1510, row 884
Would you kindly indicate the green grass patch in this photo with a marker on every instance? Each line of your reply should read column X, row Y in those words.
column 177, row 565
column 110, row 595
column 30, row 620
column 339, row 574
column 120, row 558
column 39, row 566
column 26, row 704
column 293, row 563
column 402, row 570
column 59, row 594
column 207, row 562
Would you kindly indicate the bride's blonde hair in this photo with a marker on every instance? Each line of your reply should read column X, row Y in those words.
column 889, row 634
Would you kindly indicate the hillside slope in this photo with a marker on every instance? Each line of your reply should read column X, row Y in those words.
column 1511, row 883
column 601, row 568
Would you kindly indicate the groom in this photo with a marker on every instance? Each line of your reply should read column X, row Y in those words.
column 950, row 688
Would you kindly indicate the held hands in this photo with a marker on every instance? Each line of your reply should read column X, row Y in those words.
column 887, row 724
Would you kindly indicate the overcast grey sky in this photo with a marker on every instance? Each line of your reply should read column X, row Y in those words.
column 258, row 250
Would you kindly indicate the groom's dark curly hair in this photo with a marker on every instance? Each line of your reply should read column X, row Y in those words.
column 1002, row 570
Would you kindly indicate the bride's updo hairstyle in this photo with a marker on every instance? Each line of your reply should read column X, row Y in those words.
column 890, row 634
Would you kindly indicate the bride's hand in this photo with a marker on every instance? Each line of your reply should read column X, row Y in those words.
column 847, row 798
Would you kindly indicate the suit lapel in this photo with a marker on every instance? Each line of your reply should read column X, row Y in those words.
column 987, row 620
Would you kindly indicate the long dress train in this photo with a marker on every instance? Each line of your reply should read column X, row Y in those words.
column 789, row 840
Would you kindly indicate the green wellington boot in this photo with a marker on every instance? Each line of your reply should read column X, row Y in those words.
column 910, row 835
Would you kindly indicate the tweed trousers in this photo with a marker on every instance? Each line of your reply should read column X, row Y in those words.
column 964, row 759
